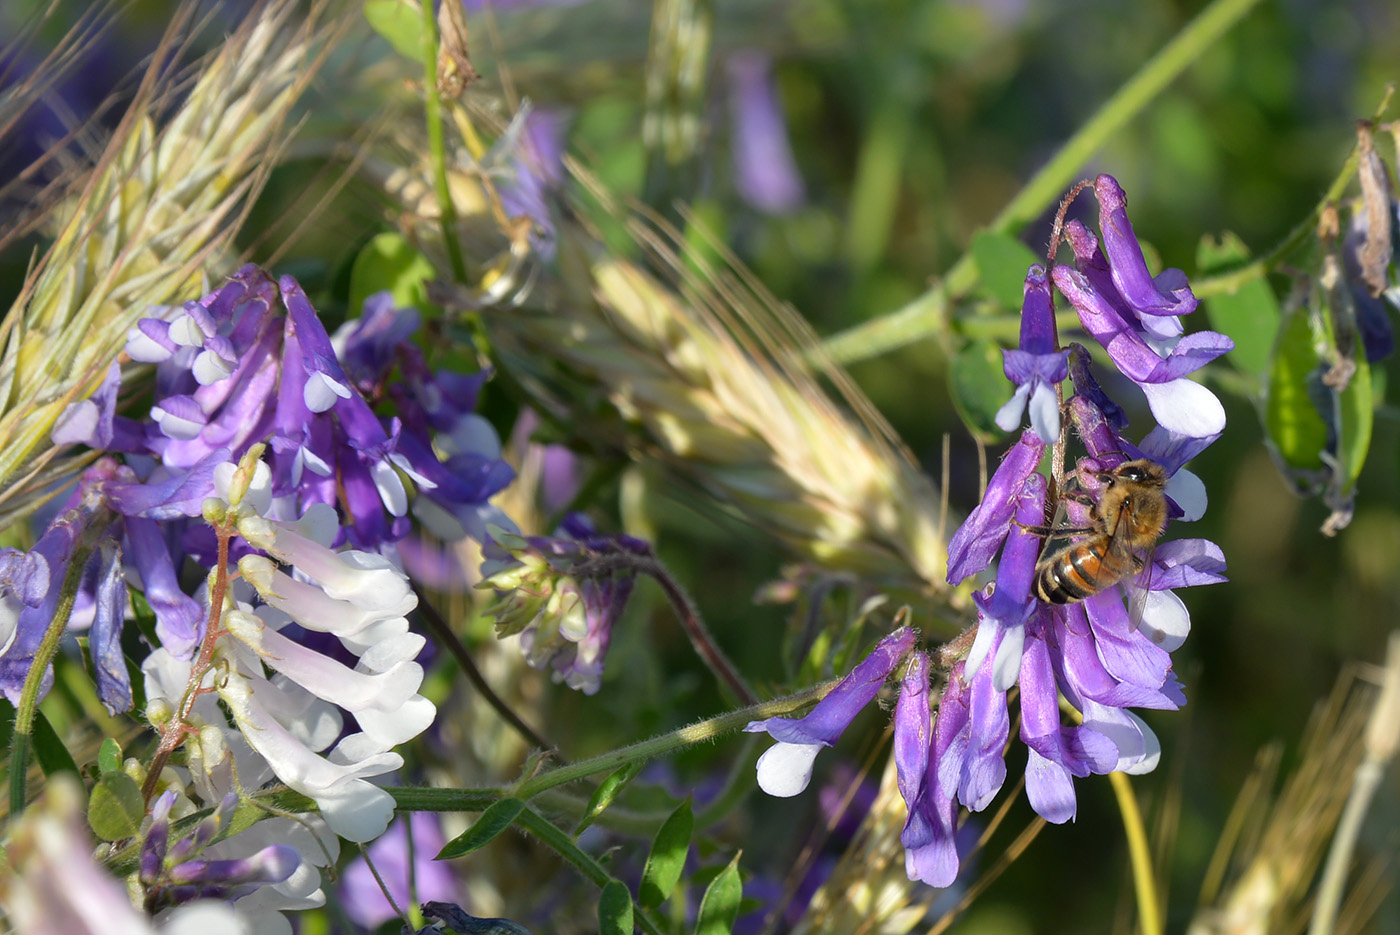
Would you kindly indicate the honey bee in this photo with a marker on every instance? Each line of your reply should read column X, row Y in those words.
column 1128, row 518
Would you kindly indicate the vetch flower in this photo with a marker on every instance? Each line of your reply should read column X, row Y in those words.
column 1136, row 317
column 562, row 595
column 785, row 768
column 1036, row 366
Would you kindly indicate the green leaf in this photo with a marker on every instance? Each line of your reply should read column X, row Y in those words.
column 1002, row 261
column 400, row 22
column 1294, row 426
column 667, row 858
column 1250, row 316
column 492, row 822
column 607, row 792
column 109, row 757
column 116, row 807
column 720, row 905
column 979, row 388
column 389, row 262
column 615, row 909
column 52, row 755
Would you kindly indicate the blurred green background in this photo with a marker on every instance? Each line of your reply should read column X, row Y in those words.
column 912, row 122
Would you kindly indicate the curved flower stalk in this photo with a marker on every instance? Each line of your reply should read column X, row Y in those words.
column 151, row 218
column 290, row 717
column 1088, row 652
column 707, row 376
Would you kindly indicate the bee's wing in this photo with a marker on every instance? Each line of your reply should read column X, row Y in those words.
column 1136, row 582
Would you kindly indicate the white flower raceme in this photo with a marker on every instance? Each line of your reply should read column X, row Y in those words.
column 221, row 761
column 361, row 598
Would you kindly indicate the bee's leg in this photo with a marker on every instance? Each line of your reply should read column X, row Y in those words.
column 1057, row 530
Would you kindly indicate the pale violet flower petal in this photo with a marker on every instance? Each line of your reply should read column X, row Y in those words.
column 1139, row 750
column 1188, row 492
column 785, row 769
column 1006, row 665
column 1008, row 417
column 1165, row 619
column 390, row 487
column 1045, row 413
column 1186, row 407
column 321, row 392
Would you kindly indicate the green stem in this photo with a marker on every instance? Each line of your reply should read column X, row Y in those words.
column 1139, row 854
column 475, row 800
column 43, row 658
column 437, row 148
column 535, row 823
column 922, row 316
column 697, row 733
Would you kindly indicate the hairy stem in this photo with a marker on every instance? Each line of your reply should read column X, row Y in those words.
column 43, row 658
column 437, row 147
column 175, row 731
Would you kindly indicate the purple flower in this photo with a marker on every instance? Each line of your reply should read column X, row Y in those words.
column 1136, row 317
column 1037, row 366
column 562, row 594
column 765, row 171
column 1089, row 652
column 786, row 767
column 980, row 536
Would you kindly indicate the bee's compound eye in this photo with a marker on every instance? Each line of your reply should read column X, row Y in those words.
column 1132, row 473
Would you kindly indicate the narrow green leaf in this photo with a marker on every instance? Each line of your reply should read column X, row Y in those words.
column 400, row 22
column 109, row 756
column 116, row 808
column 389, row 262
column 52, row 755
column 607, row 792
column 979, row 388
column 1294, row 426
column 1002, row 261
column 1250, row 316
column 667, row 858
column 492, row 822
column 615, row 909
column 720, row 905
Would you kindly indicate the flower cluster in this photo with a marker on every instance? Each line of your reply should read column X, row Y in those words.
column 301, row 667
column 1090, row 651
column 562, row 594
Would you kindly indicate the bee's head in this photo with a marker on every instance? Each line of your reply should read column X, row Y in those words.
column 1141, row 471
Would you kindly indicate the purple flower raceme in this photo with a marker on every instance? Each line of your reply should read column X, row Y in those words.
column 1081, row 644
column 1084, row 648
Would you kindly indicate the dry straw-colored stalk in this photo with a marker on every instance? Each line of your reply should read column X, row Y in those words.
column 690, row 365
column 868, row 892
column 153, row 218
column 1265, row 863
